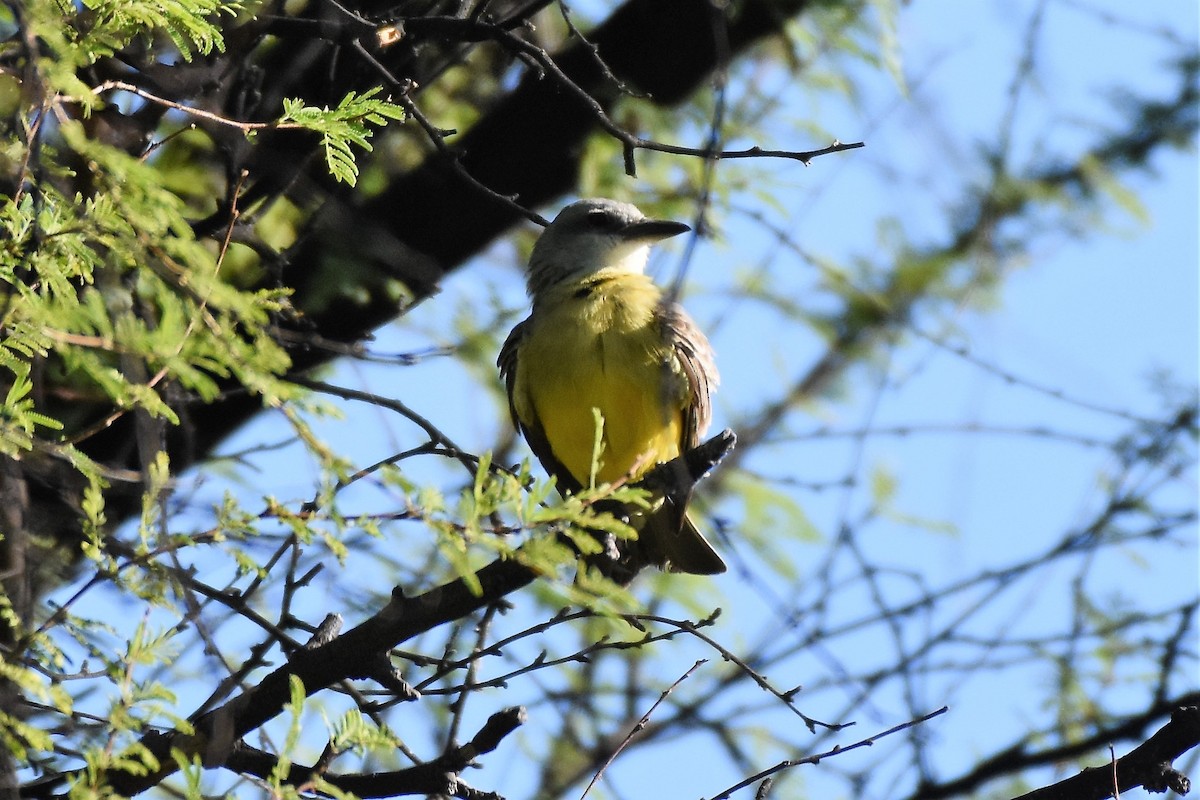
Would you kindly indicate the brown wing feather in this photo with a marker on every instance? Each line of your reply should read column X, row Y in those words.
column 695, row 358
column 672, row 536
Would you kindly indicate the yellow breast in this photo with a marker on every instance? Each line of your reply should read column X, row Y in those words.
column 597, row 346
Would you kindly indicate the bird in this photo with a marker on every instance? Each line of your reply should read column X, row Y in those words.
column 602, row 337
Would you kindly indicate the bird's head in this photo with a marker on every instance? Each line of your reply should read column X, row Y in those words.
column 590, row 235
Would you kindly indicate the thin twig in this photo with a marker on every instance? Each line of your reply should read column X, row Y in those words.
column 731, row 657
column 641, row 724
column 122, row 86
column 1112, row 758
column 836, row 750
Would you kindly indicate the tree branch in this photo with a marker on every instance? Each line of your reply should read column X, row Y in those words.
column 1148, row 765
column 437, row 777
column 1017, row 758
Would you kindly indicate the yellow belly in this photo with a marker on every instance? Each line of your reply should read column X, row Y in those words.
column 603, row 352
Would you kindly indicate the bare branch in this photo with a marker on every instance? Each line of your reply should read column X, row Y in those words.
column 439, row 776
column 640, row 725
column 815, row 759
column 1148, row 765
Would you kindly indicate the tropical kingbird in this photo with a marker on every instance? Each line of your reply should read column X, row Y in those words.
column 603, row 338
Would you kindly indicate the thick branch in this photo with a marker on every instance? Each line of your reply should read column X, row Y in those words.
column 436, row 777
column 349, row 656
column 1018, row 758
column 1148, row 765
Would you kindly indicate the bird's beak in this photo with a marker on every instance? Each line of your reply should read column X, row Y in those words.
column 653, row 230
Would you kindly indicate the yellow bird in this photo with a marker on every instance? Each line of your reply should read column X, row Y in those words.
column 602, row 337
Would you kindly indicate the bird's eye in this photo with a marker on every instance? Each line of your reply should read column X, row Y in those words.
column 599, row 219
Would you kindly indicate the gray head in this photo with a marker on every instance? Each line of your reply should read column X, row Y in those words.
column 591, row 235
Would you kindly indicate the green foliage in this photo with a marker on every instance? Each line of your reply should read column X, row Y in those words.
column 111, row 25
column 355, row 732
column 20, row 416
column 295, row 712
column 110, row 306
column 114, row 292
column 343, row 127
column 77, row 38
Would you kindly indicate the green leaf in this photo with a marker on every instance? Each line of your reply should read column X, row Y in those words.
column 343, row 128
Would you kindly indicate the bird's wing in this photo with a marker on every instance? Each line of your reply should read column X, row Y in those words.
column 694, row 357
column 529, row 425
column 507, row 362
column 669, row 535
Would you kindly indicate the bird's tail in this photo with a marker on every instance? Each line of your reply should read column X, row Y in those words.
column 678, row 547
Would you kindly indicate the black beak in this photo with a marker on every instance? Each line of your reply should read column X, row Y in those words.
column 654, row 229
